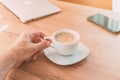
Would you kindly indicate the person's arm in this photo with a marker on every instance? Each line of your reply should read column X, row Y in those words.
column 25, row 48
column 6, row 63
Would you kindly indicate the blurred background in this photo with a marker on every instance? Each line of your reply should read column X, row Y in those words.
column 105, row 4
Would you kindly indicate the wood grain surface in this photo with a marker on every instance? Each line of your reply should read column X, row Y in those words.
column 103, row 63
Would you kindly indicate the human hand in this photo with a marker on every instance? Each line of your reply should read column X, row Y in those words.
column 28, row 46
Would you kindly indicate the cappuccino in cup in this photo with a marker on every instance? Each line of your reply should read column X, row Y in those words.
column 65, row 41
column 65, row 37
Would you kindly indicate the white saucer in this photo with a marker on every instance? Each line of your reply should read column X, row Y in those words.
column 81, row 52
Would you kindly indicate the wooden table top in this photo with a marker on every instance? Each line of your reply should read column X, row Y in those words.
column 102, row 63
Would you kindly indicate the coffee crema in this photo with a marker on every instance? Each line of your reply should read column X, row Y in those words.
column 65, row 37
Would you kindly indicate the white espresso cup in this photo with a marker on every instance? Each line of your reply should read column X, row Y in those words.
column 65, row 48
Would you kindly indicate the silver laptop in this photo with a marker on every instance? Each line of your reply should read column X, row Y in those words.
column 28, row 10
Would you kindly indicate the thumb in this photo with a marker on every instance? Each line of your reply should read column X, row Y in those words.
column 41, row 45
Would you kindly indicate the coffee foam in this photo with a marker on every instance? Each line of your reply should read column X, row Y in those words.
column 65, row 37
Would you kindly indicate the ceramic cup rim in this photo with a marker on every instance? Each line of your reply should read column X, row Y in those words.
column 66, row 30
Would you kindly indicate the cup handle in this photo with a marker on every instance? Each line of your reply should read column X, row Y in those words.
column 48, row 37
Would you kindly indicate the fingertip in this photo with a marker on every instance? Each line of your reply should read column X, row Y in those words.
column 48, row 43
